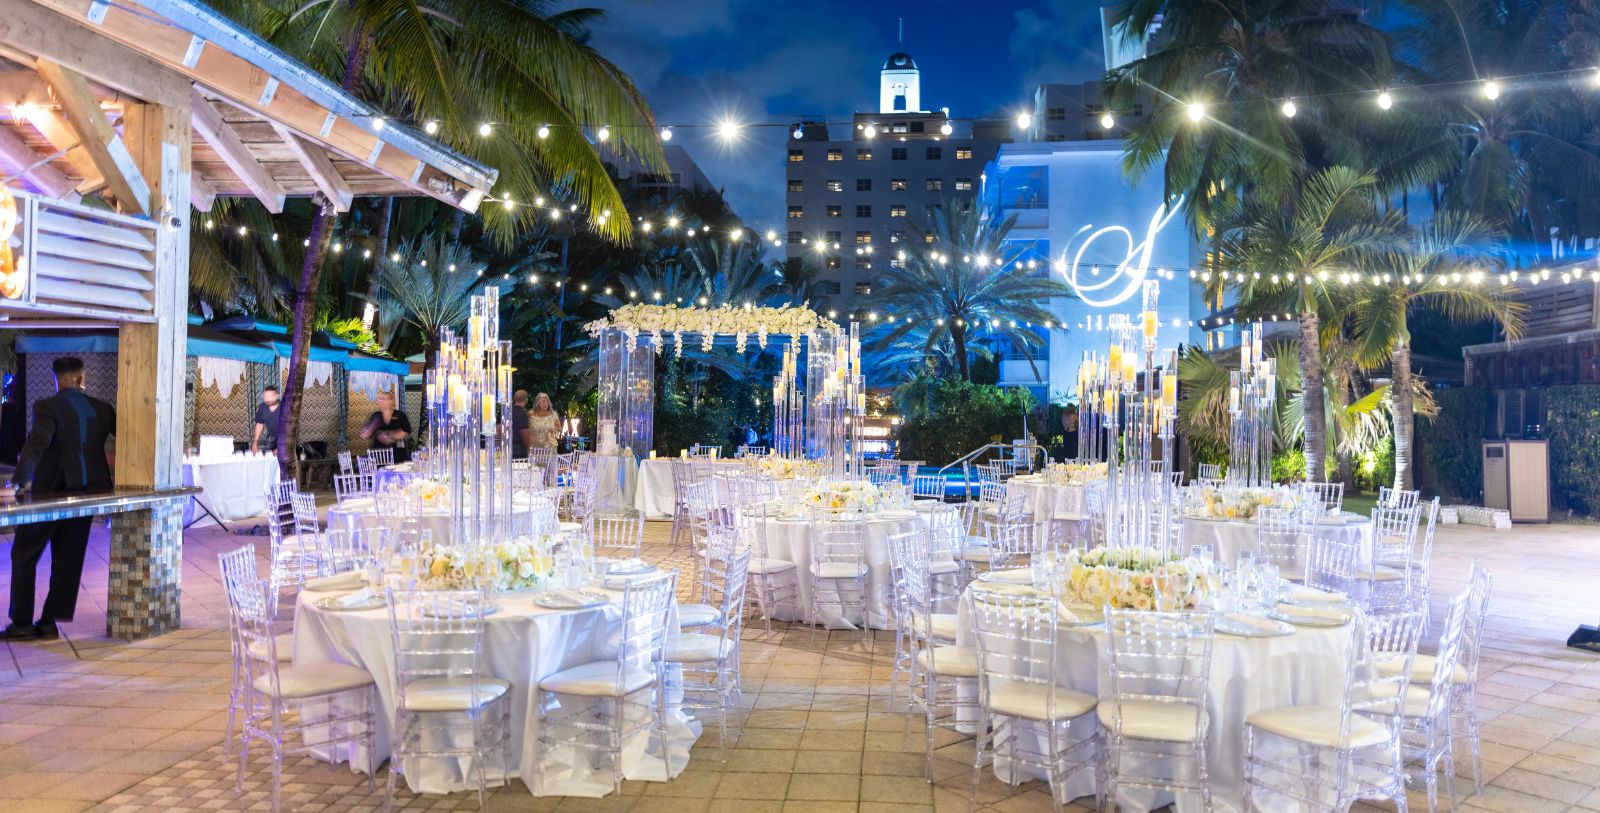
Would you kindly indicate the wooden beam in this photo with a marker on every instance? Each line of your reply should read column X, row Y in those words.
column 319, row 167
column 48, row 179
column 81, row 109
column 201, row 194
column 29, row 31
column 55, row 130
column 209, row 124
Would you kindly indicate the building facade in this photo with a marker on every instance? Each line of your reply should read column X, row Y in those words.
column 855, row 198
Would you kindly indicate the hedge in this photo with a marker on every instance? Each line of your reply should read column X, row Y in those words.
column 963, row 416
column 1572, row 425
column 1452, row 443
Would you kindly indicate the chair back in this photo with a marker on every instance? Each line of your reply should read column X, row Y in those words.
column 1391, row 638
column 1283, row 538
column 618, row 533
column 1330, row 495
column 380, row 456
column 438, row 635
column 543, row 459
column 698, row 450
column 1452, row 641
column 1398, row 498
column 1479, row 585
column 346, row 466
column 1014, row 542
column 349, row 486
column 646, row 606
column 1331, row 563
column 1394, row 530
column 946, row 537
column 280, row 506
column 727, row 573
column 838, row 549
column 911, row 593
column 1016, row 640
column 927, row 487
column 250, row 610
column 585, row 496
column 1158, row 657
column 1210, row 471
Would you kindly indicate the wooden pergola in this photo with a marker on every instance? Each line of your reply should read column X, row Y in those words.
column 123, row 115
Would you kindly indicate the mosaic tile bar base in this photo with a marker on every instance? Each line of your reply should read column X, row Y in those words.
column 146, row 572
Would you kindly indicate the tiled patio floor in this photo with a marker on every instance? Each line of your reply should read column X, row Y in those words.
column 87, row 723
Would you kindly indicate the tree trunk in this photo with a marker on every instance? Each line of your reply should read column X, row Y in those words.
column 305, row 304
column 958, row 337
column 1315, row 444
column 1404, row 413
column 380, row 331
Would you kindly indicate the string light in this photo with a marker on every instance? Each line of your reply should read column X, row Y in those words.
column 1289, row 109
column 1107, row 121
column 799, row 134
column 1385, row 101
column 543, row 131
column 1196, row 111
column 728, row 129
column 1491, row 90
column 378, row 123
column 666, row 134
column 485, row 129
column 604, row 134
column 430, row 127
column 946, row 128
column 1024, row 120
column 870, row 131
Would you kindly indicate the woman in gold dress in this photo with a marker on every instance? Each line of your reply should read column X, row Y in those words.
column 544, row 423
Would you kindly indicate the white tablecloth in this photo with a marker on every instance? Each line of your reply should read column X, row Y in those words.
column 1053, row 501
column 617, row 475
column 790, row 540
column 360, row 512
column 523, row 643
column 1247, row 675
column 232, row 487
column 653, row 492
column 1228, row 537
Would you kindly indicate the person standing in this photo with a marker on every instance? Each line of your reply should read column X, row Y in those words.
column 65, row 454
column 521, row 435
column 544, row 424
column 388, row 428
column 265, row 438
column 1069, row 432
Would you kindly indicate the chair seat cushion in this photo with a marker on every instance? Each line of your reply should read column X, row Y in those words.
column 283, row 643
column 697, row 647
column 1380, row 574
column 949, row 661
column 1422, row 667
column 452, row 694
column 1032, row 701
column 697, row 615
column 943, row 567
column 838, row 570
column 975, row 554
column 943, row 626
column 312, row 679
column 1153, row 720
column 597, row 679
column 768, row 567
column 1319, row 725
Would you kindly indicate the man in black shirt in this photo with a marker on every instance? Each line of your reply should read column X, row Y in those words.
column 520, row 432
column 265, row 438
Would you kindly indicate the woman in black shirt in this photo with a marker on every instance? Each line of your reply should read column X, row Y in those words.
column 388, row 428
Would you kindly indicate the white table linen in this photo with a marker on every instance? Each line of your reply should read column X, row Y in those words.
column 1043, row 499
column 1229, row 537
column 616, row 478
column 1247, row 675
column 523, row 643
column 232, row 487
column 789, row 539
column 362, row 512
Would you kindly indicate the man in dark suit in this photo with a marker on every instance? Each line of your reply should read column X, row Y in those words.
column 65, row 454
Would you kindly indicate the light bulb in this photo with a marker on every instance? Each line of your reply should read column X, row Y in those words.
column 1107, row 121
column 666, row 134
column 1491, row 90
column 544, row 131
column 604, row 134
column 1024, row 121
column 378, row 123
column 946, row 128
column 430, row 127
column 485, row 129
column 509, row 203
column 798, row 133
column 1289, row 109
column 772, row 235
column 646, row 228
column 1385, row 101
column 396, row 257
column 672, row 222
column 1196, row 111
column 691, row 232
column 728, row 129
column 870, row 131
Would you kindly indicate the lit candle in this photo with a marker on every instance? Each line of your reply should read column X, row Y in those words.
column 1114, row 364
column 1244, row 351
column 1233, row 398
column 488, row 414
column 1149, row 324
column 1256, row 348
column 1130, row 370
column 1169, row 390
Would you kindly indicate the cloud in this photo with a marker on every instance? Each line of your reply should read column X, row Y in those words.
column 1058, row 41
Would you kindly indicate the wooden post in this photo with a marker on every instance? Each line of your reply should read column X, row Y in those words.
column 146, row 546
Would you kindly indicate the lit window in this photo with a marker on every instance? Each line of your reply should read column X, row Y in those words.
column 833, row 262
column 935, row 184
column 796, row 156
column 835, row 211
column 863, row 263
column 963, row 184
column 797, row 185
column 897, row 184
column 835, row 185
column 835, row 155
column 963, row 155
column 863, row 238
column 797, row 212
column 863, row 154
column 863, row 289
column 897, row 211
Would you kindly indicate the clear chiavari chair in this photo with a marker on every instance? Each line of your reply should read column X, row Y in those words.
column 1464, row 680
column 279, row 702
column 239, row 567
column 381, row 457
column 443, row 690
column 927, row 487
column 936, row 671
column 627, row 685
column 1394, row 530
column 718, row 545
column 699, row 450
column 1427, row 708
column 1326, row 756
column 772, row 577
column 682, row 476
column 838, row 569
column 1333, row 565
column 348, row 487
column 946, row 542
column 1154, row 704
column 880, row 475
column 293, row 558
column 1398, row 498
column 1014, row 542
column 543, row 459
column 1283, row 538
column 708, row 660
column 584, row 502
column 1022, row 695
column 346, row 465
column 1210, row 471
column 699, row 507
column 1330, row 495
column 619, row 534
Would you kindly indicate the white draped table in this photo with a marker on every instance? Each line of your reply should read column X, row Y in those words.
column 1044, row 499
column 616, row 478
column 789, row 539
column 1247, row 675
column 231, row 487
column 362, row 512
column 523, row 643
column 653, row 494
column 1228, row 537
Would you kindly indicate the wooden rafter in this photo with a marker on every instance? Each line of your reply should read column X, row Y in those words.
column 55, row 130
column 81, row 110
column 48, row 179
column 209, row 125
column 319, row 167
column 201, row 194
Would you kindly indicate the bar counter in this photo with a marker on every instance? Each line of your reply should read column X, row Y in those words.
column 30, row 508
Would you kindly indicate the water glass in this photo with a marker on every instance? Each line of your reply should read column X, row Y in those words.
column 1204, row 553
column 1267, row 584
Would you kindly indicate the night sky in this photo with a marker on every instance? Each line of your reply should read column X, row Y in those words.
column 698, row 61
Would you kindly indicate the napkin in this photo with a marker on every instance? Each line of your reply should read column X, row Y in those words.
column 339, row 581
column 1007, row 588
column 1065, row 613
column 1301, row 594
column 571, row 597
column 1313, row 612
column 356, row 599
column 1251, row 622
column 1020, row 575
column 624, row 566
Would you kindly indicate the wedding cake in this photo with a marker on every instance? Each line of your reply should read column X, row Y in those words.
column 605, row 437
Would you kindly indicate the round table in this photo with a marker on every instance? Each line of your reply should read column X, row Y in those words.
column 1247, row 675
column 616, row 477
column 362, row 512
column 653, row 495
column 789, row 539
column 1229, row 536
column 523, row 643
column 398, row 474
column 1043, row 499
column 230, row 487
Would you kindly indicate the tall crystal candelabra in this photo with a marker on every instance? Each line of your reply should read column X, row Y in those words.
column 837, row 401
column 1091, row 416
column 1136, row 414
column 788, row 406
column 468, row 393
column 1252, row 390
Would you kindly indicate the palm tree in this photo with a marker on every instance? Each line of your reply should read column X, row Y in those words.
column 967, row 278
column 1440, row 266
column 730, row 270
column 431, row 287
column 1296, row 258
column 1240, row 61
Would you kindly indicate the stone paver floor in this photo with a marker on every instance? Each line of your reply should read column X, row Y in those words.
column 88, row 723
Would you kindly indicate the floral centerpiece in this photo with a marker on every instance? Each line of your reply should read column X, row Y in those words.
column 428, row 492
column 1074, row 474
column 445, row 567
column 779, row 467
column 841, row 496
column 738, row 322
column 1126, row 577
column 1212, row 502
column 521, row 562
